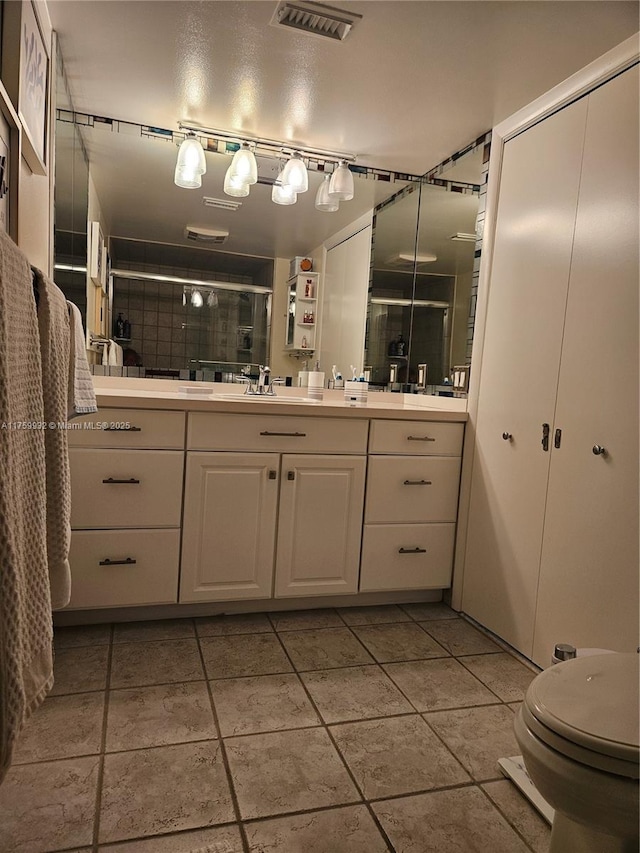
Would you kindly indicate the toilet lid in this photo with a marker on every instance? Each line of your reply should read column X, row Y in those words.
column 592, row 702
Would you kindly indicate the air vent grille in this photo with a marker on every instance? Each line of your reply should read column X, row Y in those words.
column 221, row 203
column 315, row 19
column 205, row 235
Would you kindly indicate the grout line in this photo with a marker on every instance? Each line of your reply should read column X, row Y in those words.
column 103, row 744
column 507, row 819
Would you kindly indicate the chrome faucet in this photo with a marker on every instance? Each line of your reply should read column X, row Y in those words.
column 263, row 380
column 264, row 386
column 245, row 377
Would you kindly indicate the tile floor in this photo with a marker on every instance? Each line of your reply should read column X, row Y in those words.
column 359, row 730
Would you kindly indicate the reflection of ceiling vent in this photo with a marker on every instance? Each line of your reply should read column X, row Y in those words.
column 221, row 203
column 461, row 237
column 406, row 259
column 205, row 235
column 315, row 19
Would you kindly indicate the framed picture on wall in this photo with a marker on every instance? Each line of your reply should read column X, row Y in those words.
column 33, row 89
column 97, row 255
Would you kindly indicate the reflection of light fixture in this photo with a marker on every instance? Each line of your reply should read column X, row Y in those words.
column 184, row 299
column 196, row 298
column 191, row 164
column 212, row 299
column 341, row 183
column 323, row 200
column 282, row 193
column 243, row 166
column 234, row 185
column 295, row 174
column 424, row 258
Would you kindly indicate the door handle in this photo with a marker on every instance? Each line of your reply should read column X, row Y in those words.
column 129, row 561
column 130, row 481
column 291, row 475
column 290, row 434
column 557, row 438
column 273, row 475
column 599, row 450
column 545, row 437
column 420, row 438
column 507, row 436
column 412, row 550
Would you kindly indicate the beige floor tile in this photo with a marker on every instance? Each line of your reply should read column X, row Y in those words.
column 433, row 685
column 242, row 623
column 324, row 648
column 296, row 620
column 221, row 839
column 354, row 693
column 397, row 755
column 457, row 821
column 165, row 789
column 460, row 638
column 344, row 830
column 520, row 814
column 262, row 704
column 140, row 717
column 160, row 662
column 423, row 612
column 81, row 635
column 373, row 615
column 514, row 706
column 48, row 806
column 243, row 655
column 404, row 641
column 502, row 673
column 287, row 772
column 62, row 727
column 79, row 670
column 159, row 629
column 478, row 737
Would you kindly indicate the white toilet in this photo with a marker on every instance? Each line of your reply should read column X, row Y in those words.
column 578, row 729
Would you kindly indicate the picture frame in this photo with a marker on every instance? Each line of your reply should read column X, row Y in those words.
column 33, row 89
column 97, row 252
column 10, row 132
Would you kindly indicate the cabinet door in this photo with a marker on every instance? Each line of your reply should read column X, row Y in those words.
column 320, row 525
column 228, row 537
column 588, row 593
column 519, row 372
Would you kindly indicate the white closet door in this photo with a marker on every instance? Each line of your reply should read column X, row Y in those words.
column 588, row 592
column 528, row 286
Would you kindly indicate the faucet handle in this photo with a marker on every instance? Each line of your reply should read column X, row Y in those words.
column 278, row 380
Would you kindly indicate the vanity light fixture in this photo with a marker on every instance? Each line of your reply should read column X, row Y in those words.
column 196, row 298
column 323, row 200
column 212, row 299
column 234, row 185
column 341, row 183
column 244, row 167
column 283, row 193
column 295, row 174
column 191, row 164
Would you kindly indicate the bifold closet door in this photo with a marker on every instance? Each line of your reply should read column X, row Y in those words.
column 528, row 287
column 588, row 593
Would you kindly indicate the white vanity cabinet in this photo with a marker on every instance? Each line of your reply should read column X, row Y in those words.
column 126, row 481
column 411, row 505
column 281, row 523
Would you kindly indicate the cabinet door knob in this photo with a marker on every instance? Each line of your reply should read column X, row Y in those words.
column 291, row 475
column 599, row 450
column 507, row 436
column 273, row 475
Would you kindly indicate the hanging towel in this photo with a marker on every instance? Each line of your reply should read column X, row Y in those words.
column 81, row 398
column 26, row 629
column 105, row 352
column 55, row 348
column 115, row 354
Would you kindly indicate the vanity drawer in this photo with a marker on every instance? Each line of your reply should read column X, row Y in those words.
column 129, row 428
column 116, row 568
column 150, row 496
column 419, row 438
column 412, row 489
column 280, row 433
column 406, row 556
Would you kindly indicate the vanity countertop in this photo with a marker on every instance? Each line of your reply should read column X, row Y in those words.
column 112, row 392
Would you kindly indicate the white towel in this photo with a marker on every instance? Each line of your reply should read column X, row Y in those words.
column 105, row 353
column 116, row 354
column 82, row 397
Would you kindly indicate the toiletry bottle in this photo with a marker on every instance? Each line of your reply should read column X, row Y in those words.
column 119, row 327
column 127, row 330
column 303, row 343
column 400, row 345
column 393, row 348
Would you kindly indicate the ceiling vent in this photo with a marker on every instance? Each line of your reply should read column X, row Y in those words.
column 221, row 203
column 205, row 235
column 315, row 19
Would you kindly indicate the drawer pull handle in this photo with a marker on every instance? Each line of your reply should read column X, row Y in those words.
column 290, row 434
column 122, row 429
column 131, row 481
column 417, row 483
column 128, row 562
column 412, row 551
column 420, row 438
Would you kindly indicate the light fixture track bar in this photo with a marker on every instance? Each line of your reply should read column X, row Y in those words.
column 190, row 282
column 263, row 142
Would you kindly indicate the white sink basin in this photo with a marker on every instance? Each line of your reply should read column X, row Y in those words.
column 263, row 398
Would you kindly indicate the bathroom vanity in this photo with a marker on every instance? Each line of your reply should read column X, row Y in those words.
column 181, row 500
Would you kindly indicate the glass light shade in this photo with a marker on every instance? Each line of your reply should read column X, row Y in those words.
column 341, row 184
column 295, row 174
column 196, row 299
column 243, row 166
column 283, row 193
column 190, row 165
column 323, row 200
column 212, row 299
column 234, row 185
